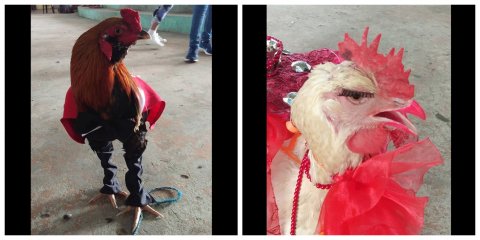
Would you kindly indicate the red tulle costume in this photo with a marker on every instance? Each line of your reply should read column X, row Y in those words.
column 378, row 197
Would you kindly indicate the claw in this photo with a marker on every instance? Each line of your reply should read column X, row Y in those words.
column 152, row 211
column 136, row 217
column 111, row 197
column 138, row 212
column 127, row 209
column 95, row 198
column 123, row 194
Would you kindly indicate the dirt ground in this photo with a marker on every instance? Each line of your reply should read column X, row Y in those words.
column 424, row 32
column 65, row 174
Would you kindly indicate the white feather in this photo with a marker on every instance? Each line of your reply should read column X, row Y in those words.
column 314, row 109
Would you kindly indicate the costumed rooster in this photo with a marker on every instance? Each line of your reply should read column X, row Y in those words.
column 105, row 103
column 342, row 156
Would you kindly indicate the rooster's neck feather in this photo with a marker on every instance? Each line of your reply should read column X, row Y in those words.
column 312, row 114
column 92, row 75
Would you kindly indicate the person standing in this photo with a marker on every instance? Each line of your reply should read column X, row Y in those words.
column 202, row 16
column 158, row 15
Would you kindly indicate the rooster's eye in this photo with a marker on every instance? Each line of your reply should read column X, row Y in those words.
column 118, row 31
column 356, row 97
column 357, row 101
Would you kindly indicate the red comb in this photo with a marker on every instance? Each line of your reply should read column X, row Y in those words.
column 388, row 69
column 132, row 18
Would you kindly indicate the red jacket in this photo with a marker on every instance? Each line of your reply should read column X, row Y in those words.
column 153, row 103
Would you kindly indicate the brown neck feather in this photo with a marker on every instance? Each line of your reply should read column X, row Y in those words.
column 92, row 75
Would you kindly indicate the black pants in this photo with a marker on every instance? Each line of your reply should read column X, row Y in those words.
column 134, row 144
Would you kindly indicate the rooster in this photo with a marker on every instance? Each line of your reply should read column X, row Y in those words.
column 105, row 103
column 351, row 161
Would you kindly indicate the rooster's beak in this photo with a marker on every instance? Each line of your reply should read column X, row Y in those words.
column 143, row 35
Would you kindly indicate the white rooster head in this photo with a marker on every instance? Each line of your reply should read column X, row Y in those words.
column 352, row 110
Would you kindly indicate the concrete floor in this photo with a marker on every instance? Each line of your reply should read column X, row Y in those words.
column 65, row 174
column 424, row 32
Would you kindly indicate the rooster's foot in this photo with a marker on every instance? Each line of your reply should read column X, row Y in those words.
column 138, row 211
column 110, row 197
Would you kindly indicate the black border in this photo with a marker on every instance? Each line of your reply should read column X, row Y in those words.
column 254, row 120
column 17, row 120
column 463, row 120
column 224, row 108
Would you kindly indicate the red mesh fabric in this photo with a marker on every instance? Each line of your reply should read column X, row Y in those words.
column 285, row 80
column 379, row 196
column 273, row 226
column 277, row 133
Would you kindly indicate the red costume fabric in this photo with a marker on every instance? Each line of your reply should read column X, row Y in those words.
column 154, row 104
column 376, row 198
column 379, row 196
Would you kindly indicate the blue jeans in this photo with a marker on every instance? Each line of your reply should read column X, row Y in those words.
column 202, row 15
column 161, row 12
column 134, row 145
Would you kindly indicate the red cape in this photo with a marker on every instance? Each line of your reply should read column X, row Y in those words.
column 153, row 103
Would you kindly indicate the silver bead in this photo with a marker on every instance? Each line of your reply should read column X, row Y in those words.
column 289, row 98
column 271, row 45
column 301, row 66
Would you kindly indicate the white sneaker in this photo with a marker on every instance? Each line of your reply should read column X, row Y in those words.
column 161, row 39
column 155, row 38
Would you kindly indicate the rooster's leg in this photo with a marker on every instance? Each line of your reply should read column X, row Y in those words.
column 139, row 198
column 111, row 186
